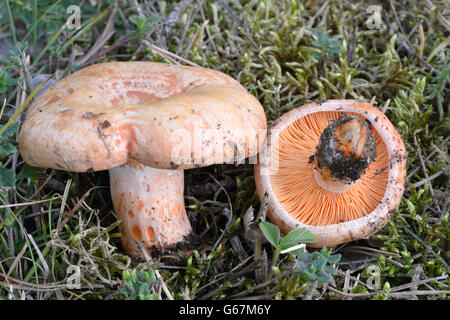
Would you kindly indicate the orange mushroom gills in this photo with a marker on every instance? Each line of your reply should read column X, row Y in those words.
column 304, row 191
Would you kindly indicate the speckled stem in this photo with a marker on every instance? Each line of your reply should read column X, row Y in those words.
column 150, row 204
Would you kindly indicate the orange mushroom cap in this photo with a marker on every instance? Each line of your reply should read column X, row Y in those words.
column 302, row 195
column 103, row 115
column 145, row 122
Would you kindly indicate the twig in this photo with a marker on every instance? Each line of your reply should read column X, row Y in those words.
column 352, row 295
column 317, row 14
column 198, row 36
column 17, row 259
column 163, row 284
column 210, row 38
column 100, row 132
column 25, row 59
column 231, row 12
column 427, row 181
column 44, row 263
column 356, row 280
column 42, row 185
column 414, row 29
column 64, row 200
column 236, row 244
column 158, row 275
column 396, row 16
column 260, row 286
column 427, row 158
column 22, row 204
column 34, row 214
column 398, row 264
column 47, row 271
column 168, row 54
column 405, row 228
column 190, row 18
column 386, row 106
column 22, row 285
column 112, row 47
column 232, row 272
column 391, row 294
column 311, row 288
column 230, row 219
column 249, row 38
column 405, row 43
column 64, row 160
column 351, row 50
column 71, row 59
column 417, row 283
column 424, row 169
column 386, row 253
column 417, row 270
column 440, row 18
column 346, row 281
column 138, row 9
column 77, row 205
column 438, row 49
column 421, row 41
column 107, row 33
column 417, row 293
column 175, row 15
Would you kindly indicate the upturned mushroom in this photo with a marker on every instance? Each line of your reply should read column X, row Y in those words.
column 145, row 123
column 336, row 168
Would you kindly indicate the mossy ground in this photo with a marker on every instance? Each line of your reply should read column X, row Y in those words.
column 287, row 53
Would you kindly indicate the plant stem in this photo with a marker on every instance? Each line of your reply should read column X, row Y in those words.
column 275, row 258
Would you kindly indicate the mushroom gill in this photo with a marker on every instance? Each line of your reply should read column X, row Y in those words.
column 295, row 185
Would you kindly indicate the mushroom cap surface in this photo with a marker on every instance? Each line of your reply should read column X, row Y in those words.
column 296, row 200
column 104, row 115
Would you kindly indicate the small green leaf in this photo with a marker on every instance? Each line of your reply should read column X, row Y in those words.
column 327, row 45
column 152, row 19
column 11, row 130
column 6, row 148
column 297, row 252
column 5, row 81
column 303, row 256
column 319, row 263
column 324, row 252
column 323, row 277
column 297, row 236
column 143, row 291
column 330, row 269
column 134, row 19
column 34, row 173
column 334, row 258
column 152, row 296
column 302, row 267
column 9, row 220
column 276, row 270
column 271, row 232
column 7, row 178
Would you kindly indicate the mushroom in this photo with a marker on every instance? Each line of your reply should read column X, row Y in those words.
column 336, row 168
column 144, row 122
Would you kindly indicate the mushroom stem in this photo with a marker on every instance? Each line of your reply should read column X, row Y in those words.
column 150, row 204
column 345, row 150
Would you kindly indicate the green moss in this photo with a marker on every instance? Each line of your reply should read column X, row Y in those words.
column 285, row 55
